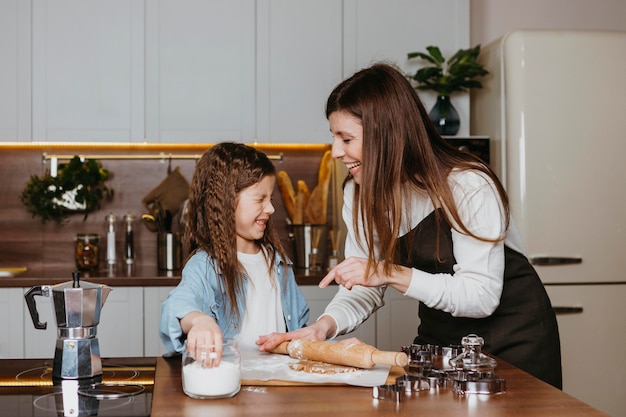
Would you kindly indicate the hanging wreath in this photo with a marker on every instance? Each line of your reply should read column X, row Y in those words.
column 78, row 188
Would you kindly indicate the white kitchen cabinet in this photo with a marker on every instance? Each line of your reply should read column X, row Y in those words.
column 299, row 62
column 153, row 297
column 396, row 321
column 591, row 328
column 88, row 70
column 12, row 322
column 200, row 70
column 120, row 332
column 394, row 325
column 15, row 70
column 241, row 70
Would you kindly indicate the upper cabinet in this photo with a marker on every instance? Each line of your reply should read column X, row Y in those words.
column 88, row 70
column 15, row 87
column 299, row 61
column 201, row 70
column 241, row 70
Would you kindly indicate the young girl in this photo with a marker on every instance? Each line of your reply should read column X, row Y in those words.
column 237, row 282
column 432, row 222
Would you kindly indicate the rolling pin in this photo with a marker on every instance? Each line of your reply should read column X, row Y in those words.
column 357, row 355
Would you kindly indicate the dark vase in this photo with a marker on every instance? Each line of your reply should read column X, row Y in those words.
column 445, row 117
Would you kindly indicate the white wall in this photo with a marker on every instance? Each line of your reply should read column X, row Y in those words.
column 491, row 19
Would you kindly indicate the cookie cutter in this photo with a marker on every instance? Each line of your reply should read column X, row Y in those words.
column 391, row 392
column 432, row 381
column 408, row 384
column 481, row 386
column 464, row 368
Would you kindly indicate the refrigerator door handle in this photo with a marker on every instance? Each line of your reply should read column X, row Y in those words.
column 567, row 310
column 554, row 260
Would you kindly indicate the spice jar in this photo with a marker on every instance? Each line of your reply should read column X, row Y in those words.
column 129, row 242
column 87, row 251
column 203, row 380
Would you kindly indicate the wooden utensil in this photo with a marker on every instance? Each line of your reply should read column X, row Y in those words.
column 358, row 355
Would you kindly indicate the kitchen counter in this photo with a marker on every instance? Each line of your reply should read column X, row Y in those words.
column 525, row 396
column 120, row 276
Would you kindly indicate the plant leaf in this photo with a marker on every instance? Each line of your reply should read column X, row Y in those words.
column 455, row 75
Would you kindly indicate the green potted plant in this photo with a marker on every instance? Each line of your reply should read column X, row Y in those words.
column 78, row 188
column 445, row 77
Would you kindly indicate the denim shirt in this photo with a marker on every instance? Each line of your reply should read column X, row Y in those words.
column 199, row 290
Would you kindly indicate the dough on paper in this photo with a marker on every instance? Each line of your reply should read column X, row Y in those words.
column 315, row 367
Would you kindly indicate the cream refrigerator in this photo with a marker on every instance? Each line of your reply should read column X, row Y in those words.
column 554, row 107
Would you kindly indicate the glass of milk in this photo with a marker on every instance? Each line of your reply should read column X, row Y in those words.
column 204, row 381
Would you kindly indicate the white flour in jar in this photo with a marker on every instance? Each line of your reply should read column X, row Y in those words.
column 223, row 380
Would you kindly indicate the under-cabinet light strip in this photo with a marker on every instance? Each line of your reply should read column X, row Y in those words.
column 54, row 158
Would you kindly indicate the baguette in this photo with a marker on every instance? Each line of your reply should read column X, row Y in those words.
column 287, row 193
column 304, row 190
column 316, row 209
column 298, row 212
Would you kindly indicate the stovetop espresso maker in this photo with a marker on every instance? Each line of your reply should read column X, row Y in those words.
column 77, row 307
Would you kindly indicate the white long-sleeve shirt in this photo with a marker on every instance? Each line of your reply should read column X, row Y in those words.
column 475, row 287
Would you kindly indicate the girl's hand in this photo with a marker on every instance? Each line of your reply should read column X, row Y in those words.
column 203, row 335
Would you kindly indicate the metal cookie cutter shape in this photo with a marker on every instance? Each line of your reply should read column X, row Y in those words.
column 412, row 383
column 481, row 386
column 391, row 392
column 407, row 384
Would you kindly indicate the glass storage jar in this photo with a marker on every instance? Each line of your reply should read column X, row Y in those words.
column 203, row 380
column 87, row 251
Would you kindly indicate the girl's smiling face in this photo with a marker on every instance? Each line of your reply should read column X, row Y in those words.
column 254, row 208
column 347, row 134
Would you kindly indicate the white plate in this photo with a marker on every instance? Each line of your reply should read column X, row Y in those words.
column 12, row 272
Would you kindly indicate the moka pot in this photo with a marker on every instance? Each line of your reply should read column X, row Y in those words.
column 77, row 307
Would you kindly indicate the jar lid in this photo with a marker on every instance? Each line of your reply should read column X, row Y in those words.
column 88, row 237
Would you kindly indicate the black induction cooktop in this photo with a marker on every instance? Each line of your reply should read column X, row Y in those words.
column 124, row 389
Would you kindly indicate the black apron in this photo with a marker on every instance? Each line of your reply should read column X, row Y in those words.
column 522, row 330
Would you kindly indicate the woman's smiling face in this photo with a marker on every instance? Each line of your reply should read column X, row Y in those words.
column 347, row 141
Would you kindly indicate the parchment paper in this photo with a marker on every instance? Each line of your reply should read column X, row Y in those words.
column 262, row 366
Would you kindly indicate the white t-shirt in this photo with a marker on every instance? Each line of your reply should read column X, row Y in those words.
column 264, row 311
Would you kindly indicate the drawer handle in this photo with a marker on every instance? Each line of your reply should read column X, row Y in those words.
column 554, row 260
column 567, row 310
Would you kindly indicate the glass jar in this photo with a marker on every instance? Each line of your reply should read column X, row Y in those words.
column 87, row 251
column 202, row 380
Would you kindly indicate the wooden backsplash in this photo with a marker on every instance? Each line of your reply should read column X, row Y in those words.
column 26, row 242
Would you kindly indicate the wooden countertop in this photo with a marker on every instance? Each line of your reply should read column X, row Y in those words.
column 119, row 276
column 525, row 396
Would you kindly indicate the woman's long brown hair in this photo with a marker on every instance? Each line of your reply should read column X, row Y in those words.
column 220, row 175
column 402, row 151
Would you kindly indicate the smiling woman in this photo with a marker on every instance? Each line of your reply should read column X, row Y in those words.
column 432, row 222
